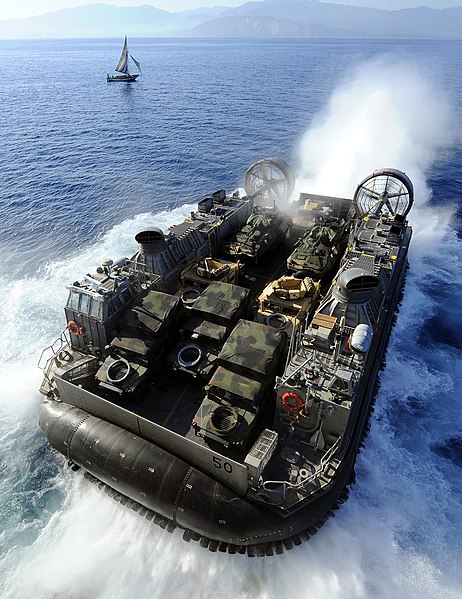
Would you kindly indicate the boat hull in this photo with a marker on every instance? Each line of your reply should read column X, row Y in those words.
column 189, row 499
column 121, row 78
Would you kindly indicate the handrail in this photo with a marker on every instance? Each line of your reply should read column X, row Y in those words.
column 141, row 267
column 57, row 345
column 62, row 340
column 292, row 344
column 325, row 460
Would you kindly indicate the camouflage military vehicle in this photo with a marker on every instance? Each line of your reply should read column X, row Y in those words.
column 210, row 269
column 213, row 315
column 143, row 334
column 231, row 412
column 285, row 303
column 247, row 365
column 319, row 248
column 265, row 229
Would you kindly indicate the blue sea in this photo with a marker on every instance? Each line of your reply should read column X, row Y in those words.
column 85, row 165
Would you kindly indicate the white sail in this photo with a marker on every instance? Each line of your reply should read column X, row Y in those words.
column 122, row 65
column 136, row 62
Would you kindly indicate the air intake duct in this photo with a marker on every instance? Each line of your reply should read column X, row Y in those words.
column 151, row 241
column 355, row 286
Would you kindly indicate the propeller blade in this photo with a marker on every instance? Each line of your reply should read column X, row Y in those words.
column 388, row 205
column 371, row 193
column 399, row 194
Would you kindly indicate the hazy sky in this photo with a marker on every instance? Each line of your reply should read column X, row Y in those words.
column 15, row 9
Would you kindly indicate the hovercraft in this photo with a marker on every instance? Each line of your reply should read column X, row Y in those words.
column 229, row 399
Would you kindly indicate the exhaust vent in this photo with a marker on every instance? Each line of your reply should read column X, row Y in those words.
column 151, row 241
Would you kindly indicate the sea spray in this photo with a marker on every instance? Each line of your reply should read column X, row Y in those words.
column 384, row 114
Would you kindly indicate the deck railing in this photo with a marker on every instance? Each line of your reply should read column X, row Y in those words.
column 324, row 462
column 44, row 362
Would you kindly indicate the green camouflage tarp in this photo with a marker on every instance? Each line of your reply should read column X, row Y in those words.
column 323, row 234
column 198, row 325
column 150, row 315
column 159, row 304
column 261, row 232
column 223, row 300
column 225, row 383
column 252, row 347
column 131, row 344
column 256, row 225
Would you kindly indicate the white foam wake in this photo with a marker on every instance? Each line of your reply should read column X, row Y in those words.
column 398, row 535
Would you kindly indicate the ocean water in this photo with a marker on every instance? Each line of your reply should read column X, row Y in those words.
column 85, row 165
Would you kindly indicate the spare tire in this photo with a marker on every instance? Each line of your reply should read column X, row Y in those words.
column 190, row 355
column 118, row 371
column 277, row 321
column 190, row 295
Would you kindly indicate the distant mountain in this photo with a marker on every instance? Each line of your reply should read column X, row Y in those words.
column 210, row 11
column 310, row 18
column 266, row 27
column 103, row 20
column 267, row 18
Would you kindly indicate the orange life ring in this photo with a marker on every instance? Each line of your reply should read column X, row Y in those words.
column 74, row 328
column 347, row 347
column 290, row 395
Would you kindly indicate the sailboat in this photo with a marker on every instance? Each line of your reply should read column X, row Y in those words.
column 122, row 66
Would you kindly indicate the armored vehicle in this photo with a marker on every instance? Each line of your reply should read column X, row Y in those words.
column 229, row 403
column 320, row 247
column 285, row 303
column 265, row 229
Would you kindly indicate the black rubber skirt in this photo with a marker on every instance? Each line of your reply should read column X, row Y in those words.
column 206, row 510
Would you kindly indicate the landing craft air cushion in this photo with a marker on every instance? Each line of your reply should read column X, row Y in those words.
column 226, row 399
